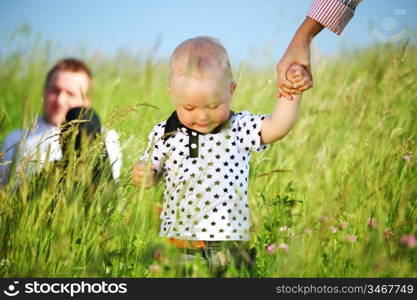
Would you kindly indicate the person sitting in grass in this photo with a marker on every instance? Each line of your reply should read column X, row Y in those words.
column 67, row 87
column 202, row 152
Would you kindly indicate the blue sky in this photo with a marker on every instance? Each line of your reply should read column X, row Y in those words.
column 251, row 30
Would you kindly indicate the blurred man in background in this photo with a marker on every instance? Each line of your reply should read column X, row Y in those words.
column 67, row 86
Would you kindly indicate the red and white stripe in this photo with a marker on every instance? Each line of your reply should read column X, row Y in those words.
column 333, row 14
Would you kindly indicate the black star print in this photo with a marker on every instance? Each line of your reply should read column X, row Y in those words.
column 213, row 223
column 225, row 190
column 218, row 170
column 212, row 236
column 206, row 216
column 224, row 203
column 225, row 164
column 214, row 210
column 216, row 196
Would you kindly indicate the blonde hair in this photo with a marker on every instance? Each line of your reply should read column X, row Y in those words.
column 200, row 57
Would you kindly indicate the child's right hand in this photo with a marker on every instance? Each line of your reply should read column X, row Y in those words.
column 144, row 176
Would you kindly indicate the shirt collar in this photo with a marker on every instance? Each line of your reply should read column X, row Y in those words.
column 42, row 125
column 173, row 124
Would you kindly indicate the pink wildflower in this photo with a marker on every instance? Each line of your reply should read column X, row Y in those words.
column 284, row 247
column 270, row 248
column 407, row 157
column 408, row 240
column 333, row 229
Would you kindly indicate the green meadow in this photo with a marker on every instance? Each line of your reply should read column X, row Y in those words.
column 337, row 197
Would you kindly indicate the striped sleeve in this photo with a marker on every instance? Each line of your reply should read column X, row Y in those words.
column 333, row 14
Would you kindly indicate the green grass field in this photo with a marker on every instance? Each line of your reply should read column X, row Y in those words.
column 341, row 209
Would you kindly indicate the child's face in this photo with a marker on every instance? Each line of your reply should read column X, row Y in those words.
column 64, row 91
column 201, row 104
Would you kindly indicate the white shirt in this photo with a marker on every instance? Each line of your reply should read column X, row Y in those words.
column 205, row 177
column 41, row 143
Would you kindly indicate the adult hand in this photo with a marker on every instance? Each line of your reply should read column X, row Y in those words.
column 298, row 52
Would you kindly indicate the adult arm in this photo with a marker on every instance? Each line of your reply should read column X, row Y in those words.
column 331, row 14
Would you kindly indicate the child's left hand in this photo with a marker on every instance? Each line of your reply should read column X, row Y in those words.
column 299, row 77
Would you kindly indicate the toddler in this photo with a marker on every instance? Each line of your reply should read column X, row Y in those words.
column 202, row 152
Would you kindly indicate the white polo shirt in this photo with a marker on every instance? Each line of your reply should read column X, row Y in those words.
column 41, row 143
column 205, row 177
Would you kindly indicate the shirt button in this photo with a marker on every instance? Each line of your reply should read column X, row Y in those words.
column 193, row 146
column 194, row 133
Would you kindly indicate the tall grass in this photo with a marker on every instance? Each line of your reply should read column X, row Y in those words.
column 347, row 196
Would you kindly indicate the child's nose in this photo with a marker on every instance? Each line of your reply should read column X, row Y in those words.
column 203, row 115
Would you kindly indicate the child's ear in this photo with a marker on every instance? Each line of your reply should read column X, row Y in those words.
column 169, row 90
column 232, row 87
